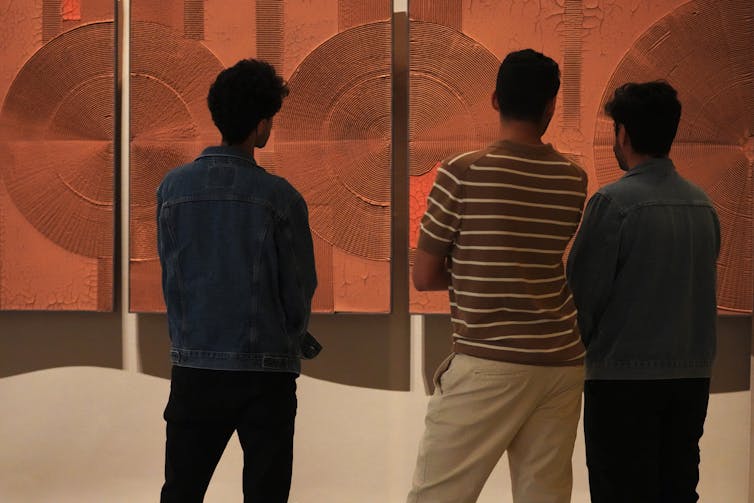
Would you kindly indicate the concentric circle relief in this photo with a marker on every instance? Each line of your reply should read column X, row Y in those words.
column 170, row 123
column 705, row 50
column 450, row 107
column 452, row 80
column 56, row 158
column 333, row 139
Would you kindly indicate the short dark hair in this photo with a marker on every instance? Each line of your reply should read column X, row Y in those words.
column 650, row 112
column 243, row 95
column 526, row 82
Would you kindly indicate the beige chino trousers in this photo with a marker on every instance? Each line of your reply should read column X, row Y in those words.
column 483, row 408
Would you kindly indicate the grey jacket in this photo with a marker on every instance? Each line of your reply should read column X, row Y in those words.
column 643, row 271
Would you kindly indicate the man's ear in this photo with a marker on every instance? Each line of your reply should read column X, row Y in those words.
column 550, row 107
column 261, row 126
column 621, row 137
column 495, row 103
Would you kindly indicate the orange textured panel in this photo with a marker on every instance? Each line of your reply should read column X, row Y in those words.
column 703, row 47
column 71, row 10
column 449, row 110
column 324, row 300
column 145, row 281
column 270, row 31
column 357, row 12
column 445, row 12
column 705, row 50
column 331, row 140
column 171, row 73
column 52, row 19
column 193, row 19
column 420, row 186
column 361, row 285
column 56, row 161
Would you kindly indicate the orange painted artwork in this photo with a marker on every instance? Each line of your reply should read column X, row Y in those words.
column 331, row 139
column 57, row 86
column 704, row 48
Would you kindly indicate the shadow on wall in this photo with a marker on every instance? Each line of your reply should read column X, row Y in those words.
column 361, row 353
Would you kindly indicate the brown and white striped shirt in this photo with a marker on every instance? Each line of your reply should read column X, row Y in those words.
column 504, row 215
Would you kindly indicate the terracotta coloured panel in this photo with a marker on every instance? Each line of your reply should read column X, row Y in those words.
column 171, row 73
column 364, row 285
column 597, row 45
column 449, row 108
column 324, row 299
column 57, row 85
column 705, row 49
column 331, row 139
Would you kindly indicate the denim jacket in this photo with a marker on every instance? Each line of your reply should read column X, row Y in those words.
column 237, row 265
column 643, row 272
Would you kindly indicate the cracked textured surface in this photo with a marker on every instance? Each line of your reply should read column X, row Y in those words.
column 56, row 157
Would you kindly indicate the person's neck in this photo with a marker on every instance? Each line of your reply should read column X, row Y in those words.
column 634, row 159
column 247, row 145
column 523, row 132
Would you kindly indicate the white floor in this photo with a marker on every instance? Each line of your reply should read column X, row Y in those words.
column 83, row 434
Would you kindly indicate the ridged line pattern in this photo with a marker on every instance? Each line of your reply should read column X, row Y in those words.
column 170, row 123
column 445, row 12
column 449, row 106
column 572, row 60
column 52, row 19
column 270, row 31
column 57, row 163
column 357, row 12
column 193, row 19
column 333, row 139
column 705, row 49
column 324, row 300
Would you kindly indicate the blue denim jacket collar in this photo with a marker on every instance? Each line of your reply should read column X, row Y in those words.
column 229, row 151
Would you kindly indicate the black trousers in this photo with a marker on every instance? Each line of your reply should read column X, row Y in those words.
column 642, row 439
column 205, row 408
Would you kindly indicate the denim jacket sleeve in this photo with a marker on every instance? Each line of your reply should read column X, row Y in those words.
column 593, row 262
column 298, row 273
column 160, row 244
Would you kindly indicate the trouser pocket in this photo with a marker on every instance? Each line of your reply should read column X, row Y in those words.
column 441, row 369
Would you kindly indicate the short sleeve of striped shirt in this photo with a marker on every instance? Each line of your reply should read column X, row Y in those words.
column 442, row 220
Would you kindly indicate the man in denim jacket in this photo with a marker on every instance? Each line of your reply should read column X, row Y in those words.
column 238, row 277
column 642, row 271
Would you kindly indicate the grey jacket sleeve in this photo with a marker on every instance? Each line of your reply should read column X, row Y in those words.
column 593, row 262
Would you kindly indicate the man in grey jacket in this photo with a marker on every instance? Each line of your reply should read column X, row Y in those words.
column 642, row 271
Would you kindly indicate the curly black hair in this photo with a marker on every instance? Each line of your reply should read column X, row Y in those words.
column 243, row 95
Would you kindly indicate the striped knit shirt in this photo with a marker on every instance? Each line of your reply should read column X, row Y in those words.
column 504, row 216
